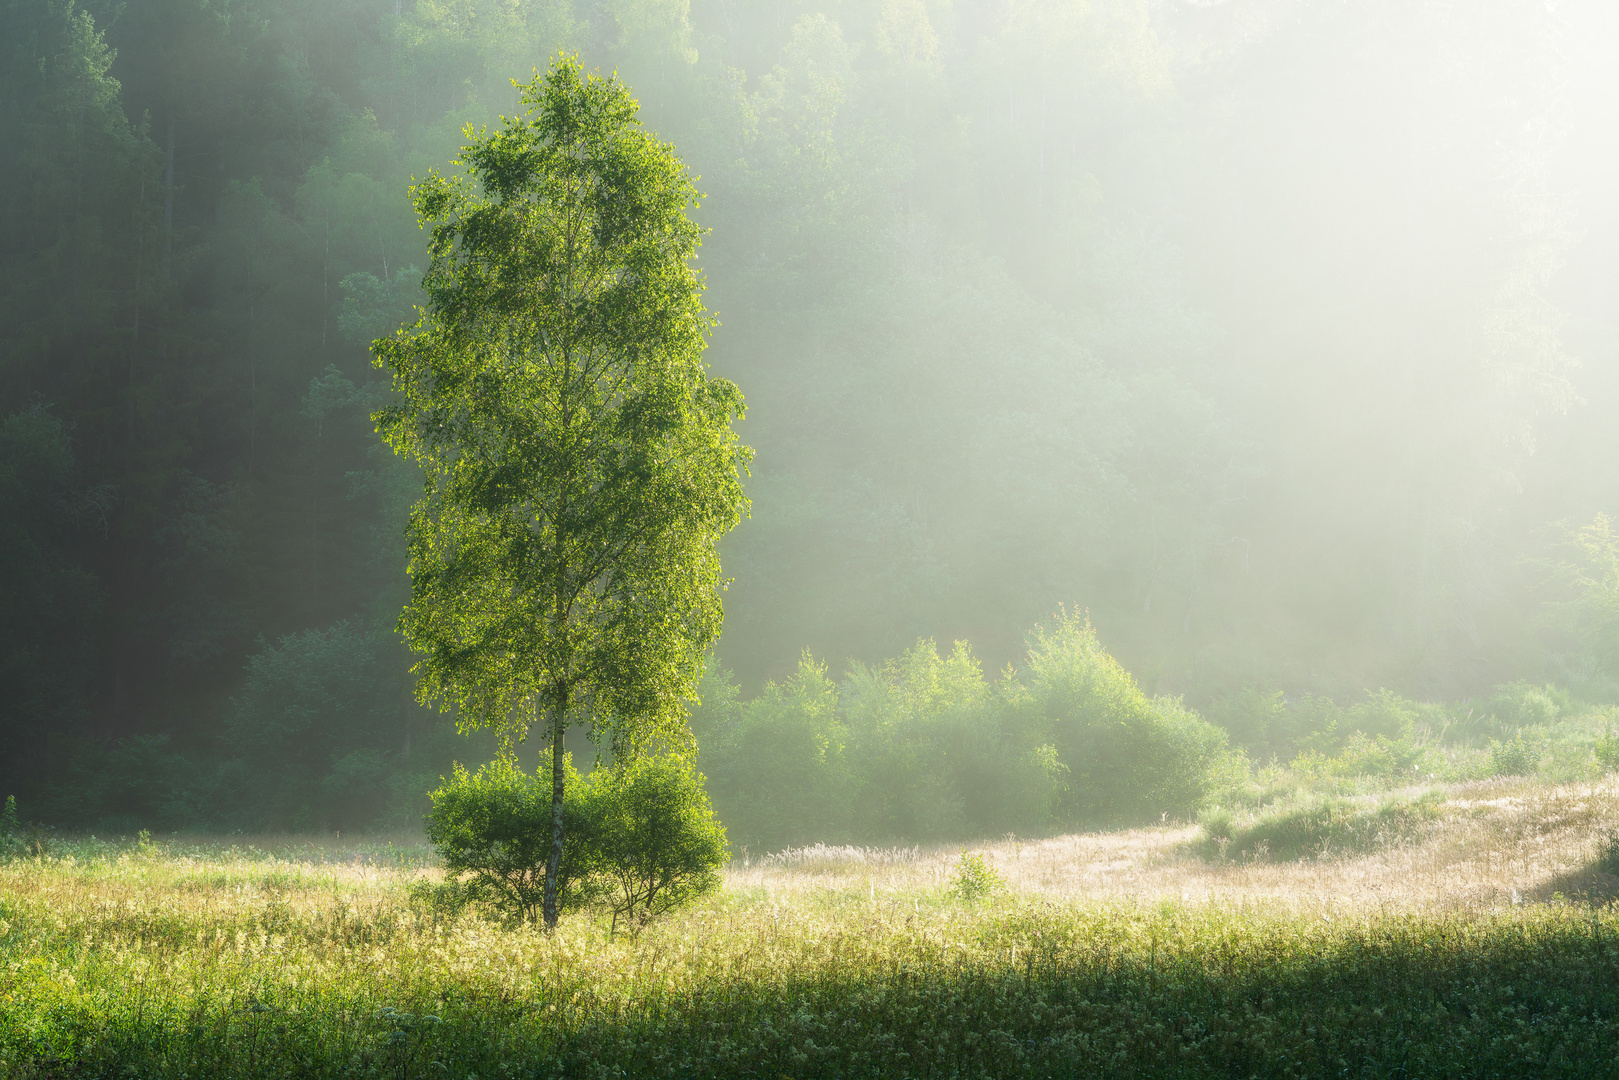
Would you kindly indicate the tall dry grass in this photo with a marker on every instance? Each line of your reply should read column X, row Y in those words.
column 1489, row 843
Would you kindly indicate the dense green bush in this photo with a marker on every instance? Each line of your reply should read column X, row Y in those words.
column 942, row 753
column 1522, row 704
column 779, row 765
column 1132, row 758
column 1260, row 721
column 648, row 839
column 1607, row 753
column 492, row 828
column 924, row 747
column 1386, row 715
column 1515, row 757
column 1313, row 826
column 1381, row 718
column 639, row 839
column 1366, row 756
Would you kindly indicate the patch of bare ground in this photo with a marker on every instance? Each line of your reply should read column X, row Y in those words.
column 1493, row 843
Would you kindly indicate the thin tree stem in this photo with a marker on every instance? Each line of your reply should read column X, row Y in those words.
column 559, row 725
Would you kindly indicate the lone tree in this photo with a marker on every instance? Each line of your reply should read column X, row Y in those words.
column 580, row 463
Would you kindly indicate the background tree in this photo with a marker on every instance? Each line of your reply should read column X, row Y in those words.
column 581, row 465
column 50, row 601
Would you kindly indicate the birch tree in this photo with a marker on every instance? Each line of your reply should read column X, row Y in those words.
column 581, row 464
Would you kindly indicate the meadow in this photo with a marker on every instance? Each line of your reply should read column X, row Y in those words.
column 1471, row 937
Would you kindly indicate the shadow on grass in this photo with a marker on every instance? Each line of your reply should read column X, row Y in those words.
column 1593, row 885
column 1316, row 828
column 1442, row 999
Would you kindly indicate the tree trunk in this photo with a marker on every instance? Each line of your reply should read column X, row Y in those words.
column 558, row 725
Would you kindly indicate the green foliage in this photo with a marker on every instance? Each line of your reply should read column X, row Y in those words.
column 1218, row 823
column 1515, row 757
column 1522, row 704
column 49, row 601
column 373, row 308
column 1388, row 761
column 1259, row 721
column 916, row 203
column 580, row 462
column 1319, row 722
column 1314, row 826
column 640, row 840
column 494, row 826
column 782, row 771
column 1588, row 619
column 975, row 880
column 945, row 754
column 1132, row 758
column 648, row 838
column 1386, row 740
column 123, row 785
column 1386, row 715
column 1607, row 752
column 77, row 247
column 11, row 839
column 924, row 747
column 327, row 735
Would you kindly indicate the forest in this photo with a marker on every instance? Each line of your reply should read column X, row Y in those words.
column 1272, row 340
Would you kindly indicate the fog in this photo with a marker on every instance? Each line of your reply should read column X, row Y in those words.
column 1276, row 335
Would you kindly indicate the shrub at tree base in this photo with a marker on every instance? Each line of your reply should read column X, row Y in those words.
column 640, row 839
column 651, row 838
column 493, row 830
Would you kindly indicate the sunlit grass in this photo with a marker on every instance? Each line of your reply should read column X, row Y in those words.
column 1461, row 949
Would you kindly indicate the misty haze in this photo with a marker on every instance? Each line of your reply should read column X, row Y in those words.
column 809, row 537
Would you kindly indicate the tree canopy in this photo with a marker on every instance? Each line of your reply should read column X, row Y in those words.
column 581, row 464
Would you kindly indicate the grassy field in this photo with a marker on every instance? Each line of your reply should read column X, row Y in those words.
column 1471, row 936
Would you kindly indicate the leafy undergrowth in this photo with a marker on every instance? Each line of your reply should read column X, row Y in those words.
column 1317, row 827
column 243, row 964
